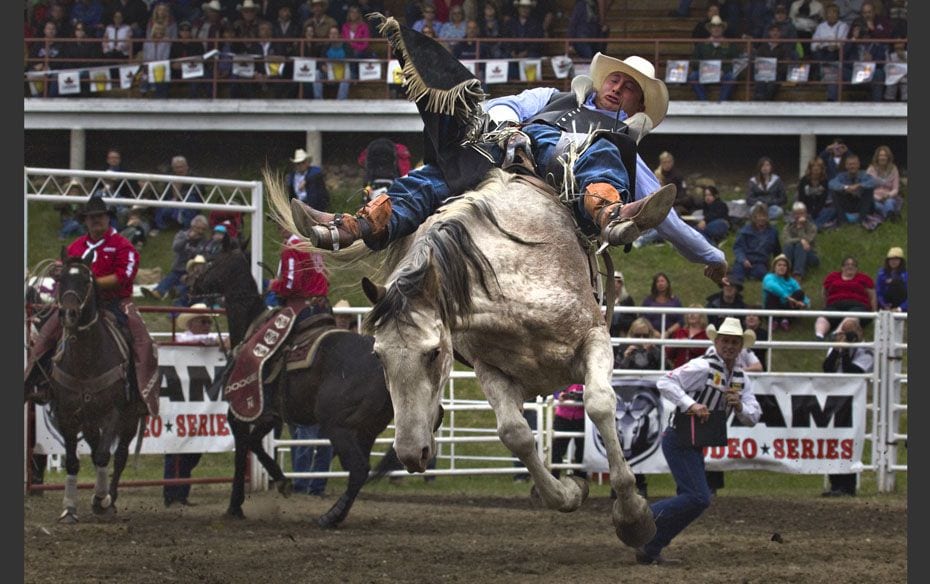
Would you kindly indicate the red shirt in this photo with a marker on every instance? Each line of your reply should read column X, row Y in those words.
column 681, row 355
column 300, row 274
column 112, row 254
column 856, row 289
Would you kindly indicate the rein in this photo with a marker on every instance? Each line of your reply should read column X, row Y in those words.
column 82, row 304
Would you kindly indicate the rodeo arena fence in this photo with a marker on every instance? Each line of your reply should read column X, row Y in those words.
column 812, row 422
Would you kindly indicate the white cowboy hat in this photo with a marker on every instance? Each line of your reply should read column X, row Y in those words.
column 895, row 252
column 184, row 319
column 655, row 94
column 715, row 21
column 342, row 304
column 247, row 4
column 530, row 3
column 197, row 259
column 212, row 5
column 299, row 156
column 731, row 326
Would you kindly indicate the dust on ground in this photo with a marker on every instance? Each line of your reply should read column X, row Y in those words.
column 440, row 537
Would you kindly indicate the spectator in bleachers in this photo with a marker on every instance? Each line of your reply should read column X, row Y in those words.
column 896, row 90
column 161, row 16
column 701, row 30
column 730, row 297
column 782, row 292
column 468, row 48
column 492, row 27
column 805, row 16
column 58, row 14
column 136, row 229
column 429, row 18
column 875, row 52
column 639, row 355
column 694, row 329
column 568, row 417
column 825, row 49
column 853, row 194
column 50, row 51
column 166, row 217
column 187, row 47
column 766, row 187
column 117, row 38
column 307, row 183
column 187, row 244
column 335, row 51
column 84, row 52
column 848, row 9
column 661, row 296
column 338, row 10
column 135, row 14
column 715, row 48
column 834, row 157
column 357, row 34
column 69, row 224
column 848, row 289
column 90, row 14
column 285, row 26
column 272, row 64
column 155, row 48
column 891, row 282
column 785, row 26
column 797, row 237
column 429, row 31
column 587, row 22
column 246, row 25
column 667, row 175
column 525, row 25
column 454, row 29
column 210, row 26
column 715, row 223
column 756, row 15
column 874, row 24
column 621, row 321
column 897, row 14
column 321, row 23
column 786, row 53
column 887, row 194
column 267, row 9
column 444, row 9
column 754, row 323
column 755, row 246
column 814, row 193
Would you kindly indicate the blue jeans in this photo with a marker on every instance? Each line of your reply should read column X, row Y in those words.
column 171, row 280
column 165, row 216
column 715, row 230
column 179, row 466
column 826, row 216
column 416, row 196
column 674, row 514
column 309, row 459
column 725, row 88
column 756, row 272
column 800, row 259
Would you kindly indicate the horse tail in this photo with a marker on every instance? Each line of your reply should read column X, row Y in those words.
column 389, row 462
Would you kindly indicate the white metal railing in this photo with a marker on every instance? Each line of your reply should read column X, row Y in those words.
column 885, row 408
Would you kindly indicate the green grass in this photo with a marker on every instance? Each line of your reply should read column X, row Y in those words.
column 638, row 267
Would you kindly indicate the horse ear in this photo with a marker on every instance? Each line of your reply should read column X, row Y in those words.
column 64, row 253
column 374, row 292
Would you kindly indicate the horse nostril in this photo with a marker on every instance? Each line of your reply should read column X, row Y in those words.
column 424, row 454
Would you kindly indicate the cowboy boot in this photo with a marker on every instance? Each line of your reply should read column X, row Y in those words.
column 622, row 223
column 333, row 232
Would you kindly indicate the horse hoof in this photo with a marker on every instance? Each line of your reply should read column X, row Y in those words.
column 286, row 487
column 583, row 486
column 637, row 533
column 103, row 505
column 68, row 516
column 234, row 514
column 327, row 522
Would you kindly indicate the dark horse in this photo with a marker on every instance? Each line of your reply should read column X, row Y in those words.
column 91, row 388
column 343, row 390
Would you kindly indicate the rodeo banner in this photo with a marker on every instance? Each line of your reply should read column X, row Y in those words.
column 192, row 414
column 809, row 425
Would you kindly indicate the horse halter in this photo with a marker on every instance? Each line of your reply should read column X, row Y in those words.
column 82, row 300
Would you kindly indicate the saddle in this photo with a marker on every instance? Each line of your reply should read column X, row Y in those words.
column 118, row 372
column 273, row 344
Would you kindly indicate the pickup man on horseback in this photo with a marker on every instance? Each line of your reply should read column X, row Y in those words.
column 115, row 263
column 583, row 140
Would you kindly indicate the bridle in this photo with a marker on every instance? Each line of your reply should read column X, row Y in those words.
column 82, row 300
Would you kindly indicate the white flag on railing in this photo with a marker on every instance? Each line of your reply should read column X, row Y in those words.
column 159, row 71
column 765, row 69
column 100, row 79
column 863, row 71
column 471, row 65
column 69, row 82
column 243, row 66
column 895, row 72
column 395, row 73
column 369, row 71
column 305, row 70
column 561, row 66
column 677, row 71
column 126, row 75
column 530, row 70
column 191, row 69
column 799, row 73
column 495, row 71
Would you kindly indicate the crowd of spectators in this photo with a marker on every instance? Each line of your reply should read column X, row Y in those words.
column 262, row 38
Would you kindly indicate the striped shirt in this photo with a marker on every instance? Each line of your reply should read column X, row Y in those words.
column 704, row 380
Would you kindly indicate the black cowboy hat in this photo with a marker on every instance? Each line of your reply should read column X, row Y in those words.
column 94, row 206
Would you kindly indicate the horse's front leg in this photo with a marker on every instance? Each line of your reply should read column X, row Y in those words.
column 72, row 467
column 632, row 517
column 506, row 397
column 240, row 431
column 129, row 426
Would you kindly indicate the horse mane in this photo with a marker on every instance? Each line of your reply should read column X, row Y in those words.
column 444, row 261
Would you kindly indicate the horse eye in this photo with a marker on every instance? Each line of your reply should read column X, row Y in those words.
column 432, row 355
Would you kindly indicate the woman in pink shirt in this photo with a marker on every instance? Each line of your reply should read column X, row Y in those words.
column 569, row 417
column 356, row 32
column 849, row 290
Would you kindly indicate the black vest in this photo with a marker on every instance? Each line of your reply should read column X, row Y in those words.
column 563, row 111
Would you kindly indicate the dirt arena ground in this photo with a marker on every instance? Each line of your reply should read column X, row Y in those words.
column 431, row 537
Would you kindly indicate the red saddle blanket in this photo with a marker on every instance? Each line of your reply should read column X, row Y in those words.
column 243, row 389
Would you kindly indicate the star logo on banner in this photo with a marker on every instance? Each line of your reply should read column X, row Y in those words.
column 168, row 426
column 765, row 449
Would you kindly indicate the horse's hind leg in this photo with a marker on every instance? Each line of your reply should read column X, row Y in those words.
column 631, row 515
column 505, row 396
column 261, row 429
column 353, row 455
